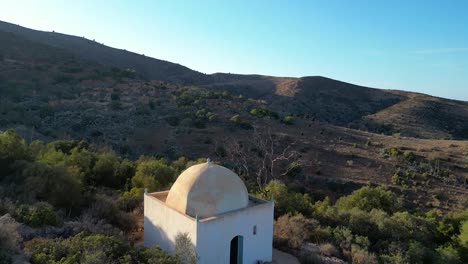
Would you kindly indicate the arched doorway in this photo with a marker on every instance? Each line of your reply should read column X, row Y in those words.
column 237, row 244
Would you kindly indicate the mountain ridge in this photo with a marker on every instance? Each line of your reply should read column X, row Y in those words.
column 317, row 97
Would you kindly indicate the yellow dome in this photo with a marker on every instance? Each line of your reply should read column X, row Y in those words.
column 207, row 190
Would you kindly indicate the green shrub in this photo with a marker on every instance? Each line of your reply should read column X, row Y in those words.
column 463, row 237
column 263, row 112
column 391, row 152
column 409, row 156
column 153, row 174
column 368, row 198
column 418, row 253
column 130, row 200
column 288, row 120
column 236, row 119
column 52, row 182
column 294, row 168
column 12, row 147
column 104, row 170
column 286, row 201
column 66, row 146
column 83, row 248
column 39, row 214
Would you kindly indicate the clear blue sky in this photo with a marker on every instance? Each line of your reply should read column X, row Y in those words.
column 409, row 45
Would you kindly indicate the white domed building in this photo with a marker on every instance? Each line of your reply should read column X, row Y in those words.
column 211, row 204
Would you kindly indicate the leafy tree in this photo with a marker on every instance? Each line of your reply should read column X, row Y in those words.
column 180, row 164
column 418, row 253
column 105, row 169
column 153, row 174
column 124, row 171
column 52, row 183
column 368, row 198
column 52, row 156
column 463, row 237
column 39, row 214
column 448, row 254
column 285, row 201
column 12, row 147
column 36, row 147
column 84, row 160
column 66, row 146
column 450, row 224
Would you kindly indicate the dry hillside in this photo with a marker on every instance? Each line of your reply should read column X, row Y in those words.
column 56, row 86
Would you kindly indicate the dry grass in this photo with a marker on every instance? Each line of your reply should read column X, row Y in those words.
column 329, row 250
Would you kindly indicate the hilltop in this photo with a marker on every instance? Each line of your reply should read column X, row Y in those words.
column 56, row 86
column 335, row 102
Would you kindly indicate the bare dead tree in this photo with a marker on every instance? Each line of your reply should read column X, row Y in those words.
column 263, row 156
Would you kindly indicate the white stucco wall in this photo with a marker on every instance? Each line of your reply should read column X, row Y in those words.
column 162, row 224
column 214, row 235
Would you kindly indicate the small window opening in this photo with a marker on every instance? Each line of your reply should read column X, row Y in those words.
column 255, row 229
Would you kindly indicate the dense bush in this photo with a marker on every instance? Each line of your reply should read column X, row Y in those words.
column 130, row 200
column 197, row 96
column 391, row 152
column 109, row 170
column 102, row 190
column 368, row 198
column 83, row 248
column 285, row 200
column 107, row 209
column 52, row 183
column 12, row 148
column 39, row 214
column 409, row 156
column 263, row 112
column 288, row 120
column 369, row 226
column 292, row 230
column 153, row 174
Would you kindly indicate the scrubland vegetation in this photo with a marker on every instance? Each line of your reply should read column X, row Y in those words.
column 62, row 199
column 368, row 226
column 66, row 202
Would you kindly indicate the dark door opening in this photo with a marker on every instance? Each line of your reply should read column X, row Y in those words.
column 236, row 250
